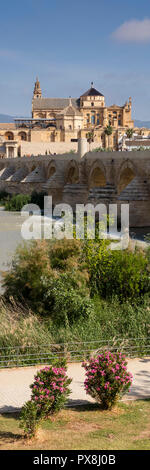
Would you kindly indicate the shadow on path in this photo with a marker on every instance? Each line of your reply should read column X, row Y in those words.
column 9, row 409
column 9, row 435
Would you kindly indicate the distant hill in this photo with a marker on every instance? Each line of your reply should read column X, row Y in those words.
column 138, row 123
column 6, row 118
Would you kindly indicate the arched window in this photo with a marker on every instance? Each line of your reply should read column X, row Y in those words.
column 98, row 118
column 22, row 135
column 9, row 136
column 93, row 119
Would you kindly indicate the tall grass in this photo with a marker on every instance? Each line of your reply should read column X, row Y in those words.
column 55, row 281
column 27, row 339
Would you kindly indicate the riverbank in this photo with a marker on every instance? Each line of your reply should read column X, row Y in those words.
column 10, row 237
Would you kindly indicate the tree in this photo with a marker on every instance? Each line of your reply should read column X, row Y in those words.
column 129, row 133
column 90, row 137
column 108, row 132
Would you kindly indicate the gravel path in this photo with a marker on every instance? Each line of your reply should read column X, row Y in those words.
column 14, row 384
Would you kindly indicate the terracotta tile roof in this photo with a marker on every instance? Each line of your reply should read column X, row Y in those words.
column 138, row 143
column 53, row 103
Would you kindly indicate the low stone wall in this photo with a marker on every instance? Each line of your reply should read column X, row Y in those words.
column 40, row 148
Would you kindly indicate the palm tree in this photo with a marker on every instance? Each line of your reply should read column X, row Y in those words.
column 90, row 137
column 109, row 131
column 129, row 133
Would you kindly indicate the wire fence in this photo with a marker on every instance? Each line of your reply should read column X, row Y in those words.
column 21, row 356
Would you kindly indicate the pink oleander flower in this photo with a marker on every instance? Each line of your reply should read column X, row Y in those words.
column 107, row 377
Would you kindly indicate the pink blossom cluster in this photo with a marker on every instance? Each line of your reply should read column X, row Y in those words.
column 50, row 384
column 107, row 376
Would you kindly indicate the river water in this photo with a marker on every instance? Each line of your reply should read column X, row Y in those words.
column 10, row 237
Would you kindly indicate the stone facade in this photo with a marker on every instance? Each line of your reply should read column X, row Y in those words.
column 57, row 124
column 77, row 117
column 96, row 178
column 65, row 120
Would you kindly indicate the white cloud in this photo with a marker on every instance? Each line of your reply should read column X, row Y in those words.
column 133, row 31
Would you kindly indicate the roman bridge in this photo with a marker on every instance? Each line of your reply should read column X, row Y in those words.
column 97, row 177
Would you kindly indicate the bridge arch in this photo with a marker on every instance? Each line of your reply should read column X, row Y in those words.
column 97, row 176
column 126, row 174
column 51, row 170
column 32, row 167
column 72, row 174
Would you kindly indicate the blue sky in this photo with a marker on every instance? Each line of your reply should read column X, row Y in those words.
column 68, row 44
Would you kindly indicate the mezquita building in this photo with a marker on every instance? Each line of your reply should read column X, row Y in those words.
column 57, row 124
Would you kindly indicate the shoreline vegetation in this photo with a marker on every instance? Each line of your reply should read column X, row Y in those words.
column 15, row 202
column 59, row 292
column 73, row 291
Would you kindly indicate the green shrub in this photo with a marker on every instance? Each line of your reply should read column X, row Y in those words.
column 29, row 420
column 107, row 378
column 59, row 279
column 16, row 202
column 64, row 254
column 49, row 292
column 122, row 273
column 65, row 300
column 50, row 391
column 25, row 280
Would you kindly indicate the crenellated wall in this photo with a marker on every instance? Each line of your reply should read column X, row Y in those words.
column 97, row 177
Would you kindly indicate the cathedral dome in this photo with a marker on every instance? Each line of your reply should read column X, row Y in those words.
column 92, row 92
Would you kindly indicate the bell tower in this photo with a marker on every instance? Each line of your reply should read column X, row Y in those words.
column 37, row 93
